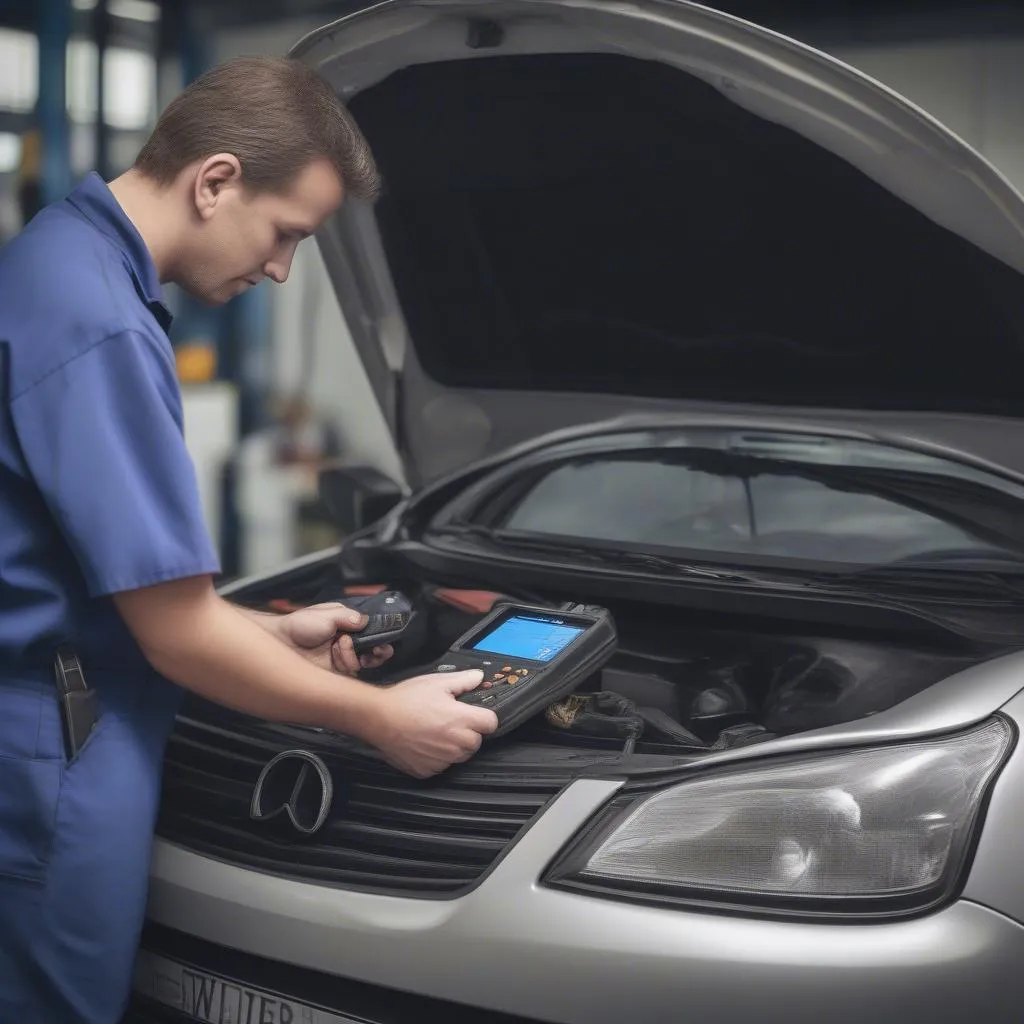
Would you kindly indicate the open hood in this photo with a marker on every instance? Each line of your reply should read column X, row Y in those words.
column 595, row 208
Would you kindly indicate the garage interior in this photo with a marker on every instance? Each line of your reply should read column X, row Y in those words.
column 583, row 247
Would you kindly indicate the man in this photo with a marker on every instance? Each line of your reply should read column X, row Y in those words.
column 102, row 542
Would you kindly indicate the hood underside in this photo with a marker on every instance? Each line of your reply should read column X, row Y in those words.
column 666, row 203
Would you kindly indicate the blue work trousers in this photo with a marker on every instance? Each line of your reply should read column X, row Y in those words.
column 75, row 843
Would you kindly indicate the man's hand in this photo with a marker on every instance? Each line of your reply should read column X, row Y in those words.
column 421, row 728
column 196, row 639
column 314, row 633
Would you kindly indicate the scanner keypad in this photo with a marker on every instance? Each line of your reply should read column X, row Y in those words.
column 497, row 676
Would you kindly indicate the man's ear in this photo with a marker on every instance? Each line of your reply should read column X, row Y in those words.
column 215, row 174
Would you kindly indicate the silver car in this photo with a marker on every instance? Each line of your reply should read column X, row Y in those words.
column 673, row 315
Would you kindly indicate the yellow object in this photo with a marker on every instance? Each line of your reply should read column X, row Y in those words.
column 31, row 155
column 196, row 363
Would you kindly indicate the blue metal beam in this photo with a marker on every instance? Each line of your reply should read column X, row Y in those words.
column 195, row 56
column 101, row 37
column 54, row 21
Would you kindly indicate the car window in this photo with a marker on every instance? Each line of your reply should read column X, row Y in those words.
column 784, row 515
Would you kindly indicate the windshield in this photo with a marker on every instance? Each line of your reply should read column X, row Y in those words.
column 782, row 504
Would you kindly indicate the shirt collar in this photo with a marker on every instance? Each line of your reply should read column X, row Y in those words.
column 94, row 200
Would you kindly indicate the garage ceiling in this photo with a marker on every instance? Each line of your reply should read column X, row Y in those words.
column 863, row 18
column 853, row 19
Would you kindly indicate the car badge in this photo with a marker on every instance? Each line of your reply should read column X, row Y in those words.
column 297, row 784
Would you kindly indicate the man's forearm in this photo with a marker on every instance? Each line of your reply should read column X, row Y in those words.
column 265, row 620
column 215, row 649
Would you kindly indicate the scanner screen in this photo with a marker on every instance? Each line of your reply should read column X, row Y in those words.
column 534, row 638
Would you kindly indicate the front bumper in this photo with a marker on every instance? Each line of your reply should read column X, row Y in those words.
column 512, row 946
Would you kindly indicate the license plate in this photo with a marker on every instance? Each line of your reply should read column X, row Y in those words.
column 213, row 999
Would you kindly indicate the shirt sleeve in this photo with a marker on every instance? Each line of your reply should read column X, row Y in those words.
column 103, row 438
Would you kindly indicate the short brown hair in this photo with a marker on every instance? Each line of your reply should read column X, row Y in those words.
column 275, row 114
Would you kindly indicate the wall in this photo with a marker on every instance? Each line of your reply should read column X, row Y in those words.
column 975, row 87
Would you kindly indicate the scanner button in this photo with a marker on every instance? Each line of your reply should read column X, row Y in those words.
column 446, row 668
column 498, row 679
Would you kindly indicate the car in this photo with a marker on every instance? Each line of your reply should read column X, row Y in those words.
column 674, row 316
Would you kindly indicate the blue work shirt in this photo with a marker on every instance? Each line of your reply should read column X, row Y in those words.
column 97, row 495
column 98, row 492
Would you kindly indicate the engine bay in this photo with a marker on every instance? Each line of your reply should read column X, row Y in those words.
column 683, row 681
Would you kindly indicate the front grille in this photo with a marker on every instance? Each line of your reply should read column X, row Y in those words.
column 387, row 832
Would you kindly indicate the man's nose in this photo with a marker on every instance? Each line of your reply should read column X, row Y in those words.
column 280, row 263
column 277, row 270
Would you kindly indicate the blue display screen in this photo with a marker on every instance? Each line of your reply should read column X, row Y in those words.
column 526, row 636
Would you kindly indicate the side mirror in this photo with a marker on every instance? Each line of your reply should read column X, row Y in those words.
column 357, row 496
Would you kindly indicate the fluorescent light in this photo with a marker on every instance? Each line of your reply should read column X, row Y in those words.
column 10, row 152
column 130, row 85
column 136, row 10
column 19, row 75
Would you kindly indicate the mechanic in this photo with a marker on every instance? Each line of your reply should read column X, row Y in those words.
column 103, row 547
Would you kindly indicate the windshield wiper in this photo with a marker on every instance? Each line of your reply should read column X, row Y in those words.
column 932, row 578
column 946, row 575
column 957, row 560
column 606, row 557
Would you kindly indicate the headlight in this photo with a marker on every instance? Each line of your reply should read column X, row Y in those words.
column 875, row 831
